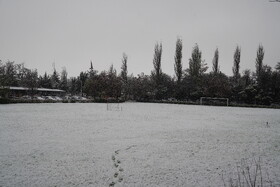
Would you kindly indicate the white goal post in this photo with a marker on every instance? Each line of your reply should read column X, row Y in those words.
column 226, row 100
column 114, row 107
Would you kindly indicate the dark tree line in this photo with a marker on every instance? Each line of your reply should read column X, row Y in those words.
column 259, row 87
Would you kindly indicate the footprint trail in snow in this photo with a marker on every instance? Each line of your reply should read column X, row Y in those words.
column 117, row 178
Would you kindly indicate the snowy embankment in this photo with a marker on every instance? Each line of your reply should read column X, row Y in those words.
column 143, row 144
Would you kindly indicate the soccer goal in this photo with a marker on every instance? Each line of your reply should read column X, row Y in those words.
column 114, row 107
column 214, row 101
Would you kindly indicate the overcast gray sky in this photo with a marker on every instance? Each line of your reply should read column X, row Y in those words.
column 72, row 33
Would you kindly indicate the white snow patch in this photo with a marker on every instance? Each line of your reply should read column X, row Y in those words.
column 144, row 144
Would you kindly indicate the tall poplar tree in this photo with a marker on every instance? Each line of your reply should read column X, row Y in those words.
column 157, row 63
column 236, row 64
column 124, row 68
column 259, row 62
column 216, row 68
column 124, row 76
column 63, row 81
column 178, row 60
column 55, row 79
column 157, row 72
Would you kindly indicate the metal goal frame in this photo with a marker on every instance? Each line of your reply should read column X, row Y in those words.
column 214, row 98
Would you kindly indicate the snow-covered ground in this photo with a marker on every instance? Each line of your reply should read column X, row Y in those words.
column 140, row 145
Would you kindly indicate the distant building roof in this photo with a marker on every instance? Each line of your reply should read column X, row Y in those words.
column 38, row 89
column 49, row 90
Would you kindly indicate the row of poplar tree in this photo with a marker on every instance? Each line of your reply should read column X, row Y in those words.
column 259, row 87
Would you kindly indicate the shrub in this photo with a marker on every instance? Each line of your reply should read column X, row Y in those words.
column 4, row 100
column 248, row 173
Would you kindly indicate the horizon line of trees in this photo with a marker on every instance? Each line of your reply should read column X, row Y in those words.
column 261, row 86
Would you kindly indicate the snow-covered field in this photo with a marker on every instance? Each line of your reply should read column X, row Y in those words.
column 141, row 145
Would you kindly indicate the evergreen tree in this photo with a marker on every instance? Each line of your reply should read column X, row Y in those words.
column 276, row 83
column 113, row 83
column 63, row 82
column 45, row 82
column 10, row 74
column 216, row 85
column 142, row 87
column 82, row 79
column 277, row 67
column 31, row 80
column 21, row 74
column 265, row 78
column 112, row 71
column 55, row 79
column 2, row 73
column 246, row 78
column 196, row 66
column 91, row 67
column 73, row 88
column 92, row 72
column 193, row 80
